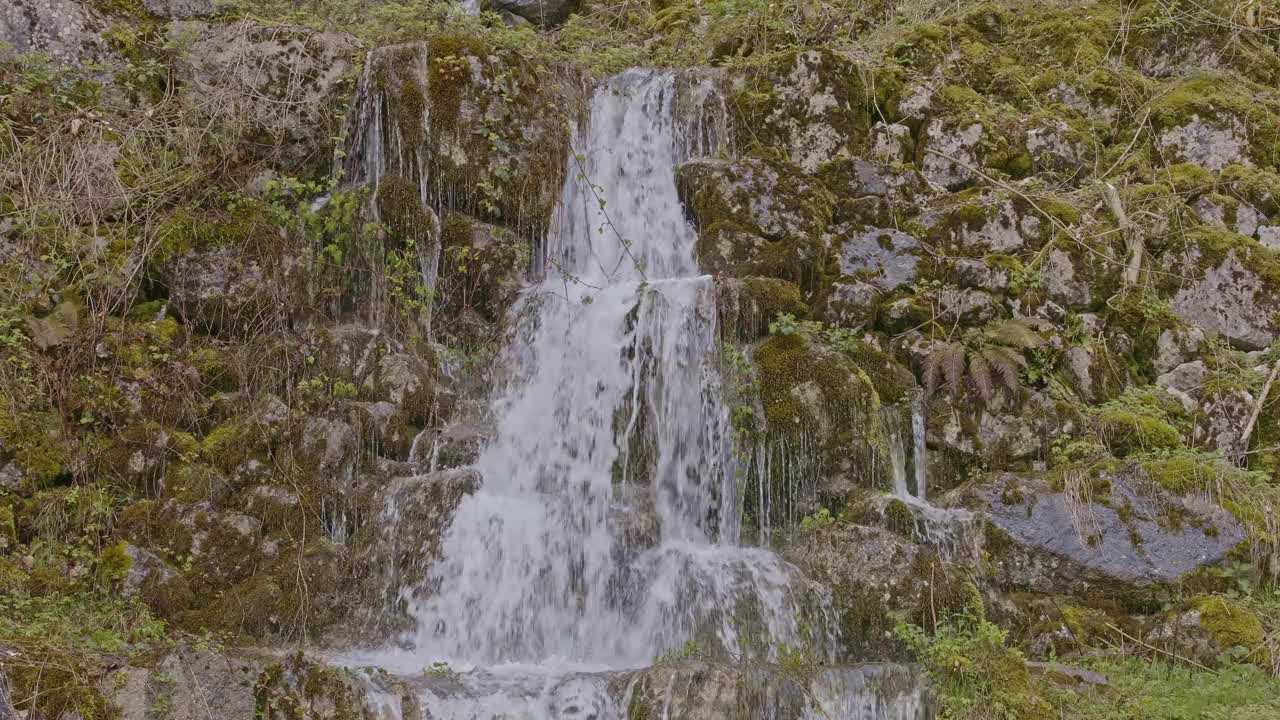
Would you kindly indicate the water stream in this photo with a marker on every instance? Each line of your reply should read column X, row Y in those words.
column 604, row 535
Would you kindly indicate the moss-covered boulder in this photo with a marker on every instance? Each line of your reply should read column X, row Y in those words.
column 746, row 306
column 757, row 218
column 809, row 108
column 877, row 575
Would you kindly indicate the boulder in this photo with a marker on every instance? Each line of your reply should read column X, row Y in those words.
column 756, row 217
column 685, row 689
column 1116, row 533
column 278, row 84
column 1230, row 299
column 219, row 289
column 882, row 257
column 952, row 152
column 815, row 110
column 1211, row 143
column 144, row 567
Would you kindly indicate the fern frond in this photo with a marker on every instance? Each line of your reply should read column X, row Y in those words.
column 933, row 368
column 1006, row 363
column 980, row 373
column 953, row 367
column 1017, row 334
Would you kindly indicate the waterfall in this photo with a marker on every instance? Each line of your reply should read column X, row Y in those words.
column 604, row 534
column 897, row 421
column 534, row 568
column 918, row 440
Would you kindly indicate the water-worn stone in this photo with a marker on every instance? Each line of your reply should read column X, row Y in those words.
column 1073, row 543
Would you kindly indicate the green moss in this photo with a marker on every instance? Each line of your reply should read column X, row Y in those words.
column 1188, row 178
column 899, row 519
column 1219, row 97
column 787, row 362
column 1233, row 624
column 53, row 683
column 1126, row 431
column 228, row 445
column 746, row 308
column 36, row 441
column 1257, row 186
column 449, row 77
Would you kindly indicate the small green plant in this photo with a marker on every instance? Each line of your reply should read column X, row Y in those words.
column 820, row 519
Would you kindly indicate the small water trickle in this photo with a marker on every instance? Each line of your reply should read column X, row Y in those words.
column 918, row 448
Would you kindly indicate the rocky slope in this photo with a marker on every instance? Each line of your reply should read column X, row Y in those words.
column 241, row 393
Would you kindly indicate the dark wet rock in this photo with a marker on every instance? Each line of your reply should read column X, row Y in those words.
column 544, row 13
column 1073, row 542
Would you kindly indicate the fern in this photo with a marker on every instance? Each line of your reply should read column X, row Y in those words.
column 989, row 360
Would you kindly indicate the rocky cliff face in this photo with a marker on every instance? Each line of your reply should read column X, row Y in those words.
column 255, row 277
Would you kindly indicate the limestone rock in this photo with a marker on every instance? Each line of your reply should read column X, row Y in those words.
column 1071, row 542
column 885, row 258
column 187, row 684
column 145, row 566
column 1210, row 143
column 278, row 83
column 1229, row 300
column 816, row 112
column 218, row 288
column 65, row 30
column 755, row 217
column 1176, row 346
column 952, row 150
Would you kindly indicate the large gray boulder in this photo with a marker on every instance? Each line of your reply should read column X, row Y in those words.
column 1118, row 533
column 285, row 84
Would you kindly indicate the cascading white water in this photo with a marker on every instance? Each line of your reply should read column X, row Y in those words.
column 533, row 569
column 604, row 533
column 918, row 449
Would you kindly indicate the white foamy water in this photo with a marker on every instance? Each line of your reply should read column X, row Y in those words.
column 605, row 531
column 533, row 568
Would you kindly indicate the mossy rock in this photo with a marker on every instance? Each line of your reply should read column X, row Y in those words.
column 746, row 306
column 1232, row 624
column 757, row 217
